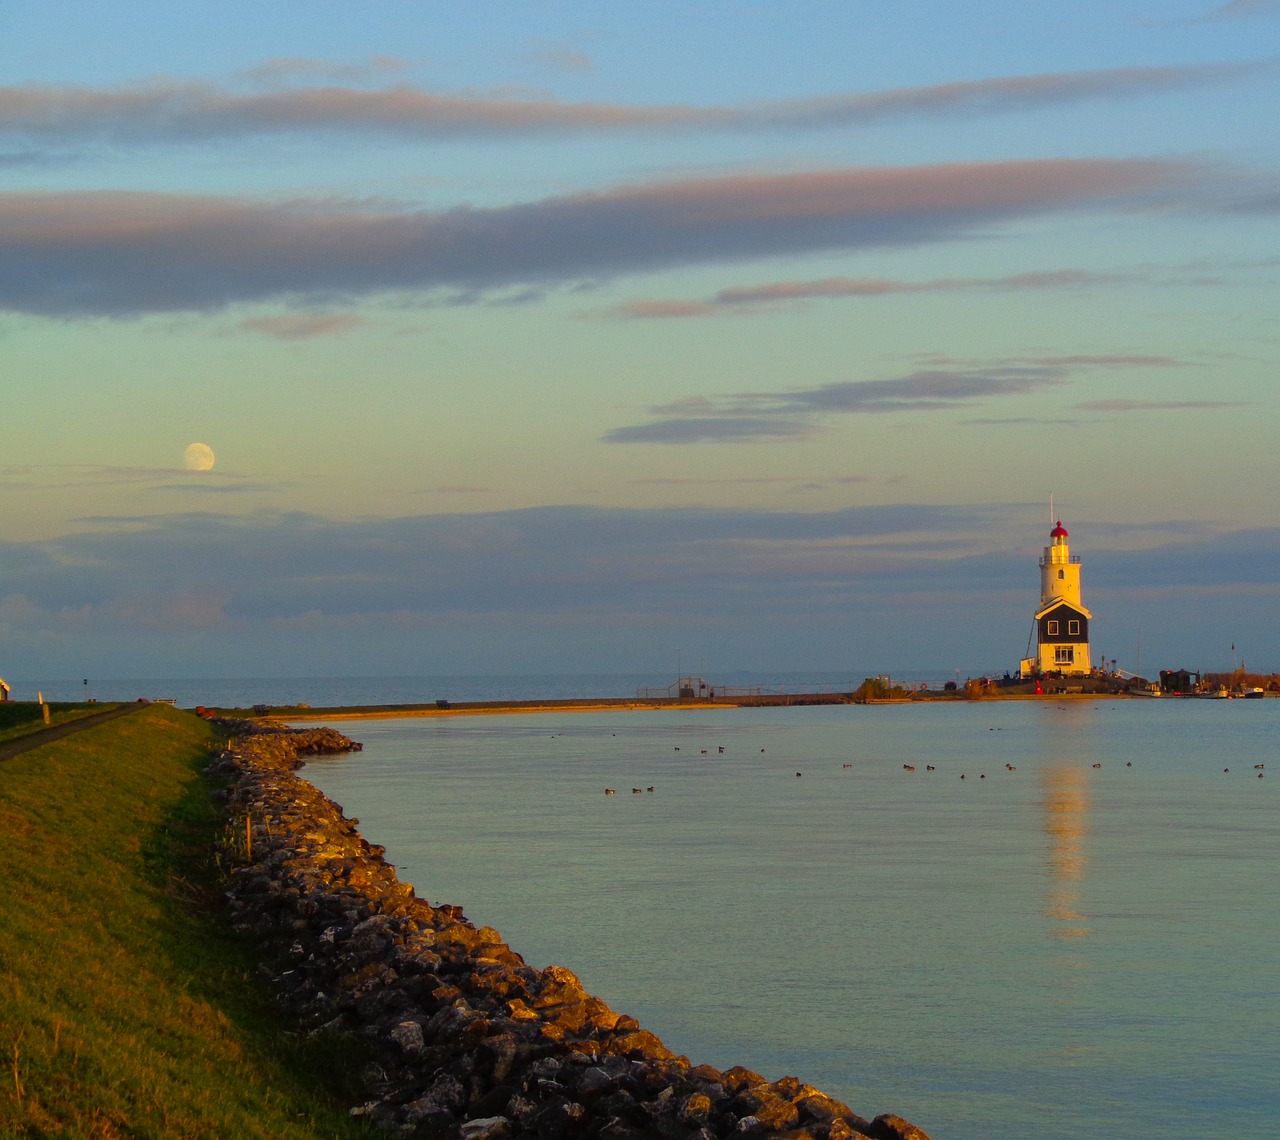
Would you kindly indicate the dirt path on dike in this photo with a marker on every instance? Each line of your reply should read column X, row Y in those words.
column 44, row 736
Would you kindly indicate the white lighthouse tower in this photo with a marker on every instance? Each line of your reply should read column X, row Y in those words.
column 1062, row 622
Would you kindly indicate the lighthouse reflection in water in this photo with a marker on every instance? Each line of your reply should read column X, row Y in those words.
column 1066, row 820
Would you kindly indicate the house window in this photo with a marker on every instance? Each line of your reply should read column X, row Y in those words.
column 1061, row 575
column 1064, row 655
column 1073, row 628
column 1051, row 628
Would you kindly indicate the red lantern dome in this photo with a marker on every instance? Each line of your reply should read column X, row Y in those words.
column 1058, row 531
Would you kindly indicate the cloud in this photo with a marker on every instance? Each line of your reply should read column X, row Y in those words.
column 921, row 391
column 206, row 487
column 777, row 292
column 272, row 565
column 1100, row 360
column 1156, row 405
column 750, row 481
column 171, row 110
column 1007, row 421
column 912, row 585
column 1264, row 201
column 94, row 474
column 747, row 429
column 1229, row 12
column 286, row 68
column 796, row 414
column 543, row 590
column 125, row 253
column 1239, row 10
column 855, row 287
column 25, row 477
column 304, row 326
column 33, row 158
column 736, row 299
column 1010, row 93
column 664, row 310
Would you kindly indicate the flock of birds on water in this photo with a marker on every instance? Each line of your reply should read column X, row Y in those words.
column 906, row 768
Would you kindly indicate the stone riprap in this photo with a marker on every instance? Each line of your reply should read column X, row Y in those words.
column 471, row 1042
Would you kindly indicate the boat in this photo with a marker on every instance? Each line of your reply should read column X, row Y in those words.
column 1254, row 694
column 1221, row 693
column 1151, row 689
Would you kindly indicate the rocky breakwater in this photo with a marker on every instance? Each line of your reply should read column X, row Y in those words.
column 471, row 1043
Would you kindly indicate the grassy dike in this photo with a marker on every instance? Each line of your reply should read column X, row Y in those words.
column 127, row 1007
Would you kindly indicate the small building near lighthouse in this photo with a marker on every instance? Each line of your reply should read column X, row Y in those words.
column 1061, row 622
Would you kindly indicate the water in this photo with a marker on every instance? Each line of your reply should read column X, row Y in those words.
column 1050, row 952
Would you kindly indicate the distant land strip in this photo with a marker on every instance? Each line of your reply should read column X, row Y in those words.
column 601, row 704
column 567, row 704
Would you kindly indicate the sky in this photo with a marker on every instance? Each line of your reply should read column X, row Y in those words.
column 569, row 337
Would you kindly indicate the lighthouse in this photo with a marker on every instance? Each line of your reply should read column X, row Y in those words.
column 1062, row 622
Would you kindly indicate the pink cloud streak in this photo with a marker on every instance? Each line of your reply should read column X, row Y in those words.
column 727, row 300
column 167, row 109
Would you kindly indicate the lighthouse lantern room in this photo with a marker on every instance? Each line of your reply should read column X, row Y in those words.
column 1062, row 622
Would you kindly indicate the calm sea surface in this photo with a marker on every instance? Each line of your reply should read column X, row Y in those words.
column 1050, row 952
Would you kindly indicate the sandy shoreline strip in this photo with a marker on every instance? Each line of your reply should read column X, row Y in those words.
column 318, row 714
column 296, row 713
column 374, row 712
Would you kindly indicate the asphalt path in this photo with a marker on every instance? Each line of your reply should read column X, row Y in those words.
column 44, row 736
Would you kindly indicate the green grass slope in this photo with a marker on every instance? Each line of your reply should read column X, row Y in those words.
column 127, row 1008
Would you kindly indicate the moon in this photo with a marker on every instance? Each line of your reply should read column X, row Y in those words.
column 198, row 457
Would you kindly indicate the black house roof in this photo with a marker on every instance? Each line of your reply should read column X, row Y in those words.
column 1063, row 609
